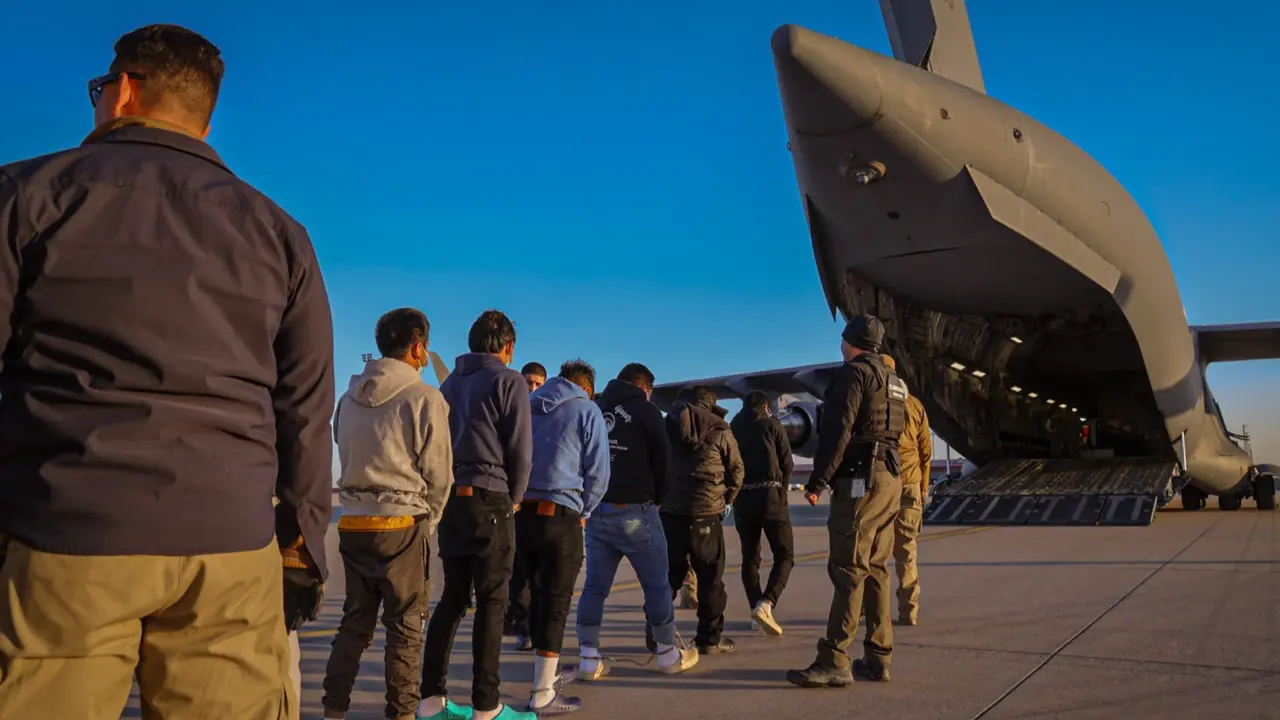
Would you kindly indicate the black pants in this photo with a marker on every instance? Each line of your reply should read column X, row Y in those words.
column 477, row 544
column 699, row 542
column 777, row 531
column 385, row 571
column 551, row 551
column 517, row 621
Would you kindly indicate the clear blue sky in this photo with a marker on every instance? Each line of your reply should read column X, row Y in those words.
column 614, row 176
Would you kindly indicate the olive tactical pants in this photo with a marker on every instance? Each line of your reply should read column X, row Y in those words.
column 906, row 528
column 861, row 536
column 203, row 635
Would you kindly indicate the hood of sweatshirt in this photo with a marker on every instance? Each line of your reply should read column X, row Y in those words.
column 693, row 421
column 619, row 391
column 472, row 363
column 381, row 380
column 556, row 392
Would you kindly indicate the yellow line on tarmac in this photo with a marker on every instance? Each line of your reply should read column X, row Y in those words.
column 623, row 587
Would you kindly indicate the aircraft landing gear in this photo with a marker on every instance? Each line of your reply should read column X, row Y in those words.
column 1264, row 492
column 1193, row 498
column 1230, row 501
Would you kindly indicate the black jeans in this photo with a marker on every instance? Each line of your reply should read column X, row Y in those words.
column 781, row 543
column 517, row 620
column 551, row 551
column 699, row 542
column 477, row 544
column 387, row 571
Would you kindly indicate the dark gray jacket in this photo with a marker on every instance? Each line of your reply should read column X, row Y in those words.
column 707, row 469
column 167, row 355
column 490, row 421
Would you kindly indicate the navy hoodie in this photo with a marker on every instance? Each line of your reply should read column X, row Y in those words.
column 489, row 419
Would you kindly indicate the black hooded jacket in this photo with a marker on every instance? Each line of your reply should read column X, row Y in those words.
column 707, row 467
column 766, row 454
column 639, row 454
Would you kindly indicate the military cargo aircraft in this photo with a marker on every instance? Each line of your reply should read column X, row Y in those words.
column 1059, row 359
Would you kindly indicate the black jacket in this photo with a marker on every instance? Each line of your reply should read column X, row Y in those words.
column 639, row 453
column 491, row 423
column 843, row 402
column 766, row 455
column 706, row 465
column 167, row 355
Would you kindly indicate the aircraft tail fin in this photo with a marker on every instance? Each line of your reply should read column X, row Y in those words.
column 1241, row 341
column 934, row 35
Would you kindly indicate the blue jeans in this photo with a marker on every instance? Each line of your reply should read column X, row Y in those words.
column 634, row 532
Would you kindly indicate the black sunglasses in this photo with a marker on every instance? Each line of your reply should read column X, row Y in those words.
column 97, row 84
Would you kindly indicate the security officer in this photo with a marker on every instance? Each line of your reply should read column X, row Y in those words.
column 915, row 449
column 864, row 414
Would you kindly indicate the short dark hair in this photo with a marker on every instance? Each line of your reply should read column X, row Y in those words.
column 183, row 70
column 637, row 374
column 578, row 371
column 704, row 395
column 755, row 400
column 491, row 332
column 533, row 368
column 398, row 331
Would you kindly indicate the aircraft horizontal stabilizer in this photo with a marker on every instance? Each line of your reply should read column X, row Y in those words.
column 811, row 379
column 1241, row 341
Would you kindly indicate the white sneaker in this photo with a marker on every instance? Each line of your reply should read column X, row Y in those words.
column 591, row 668
column 763, row 614
column 677, row 660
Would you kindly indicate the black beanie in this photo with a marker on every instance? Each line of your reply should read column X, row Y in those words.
column 865, row 332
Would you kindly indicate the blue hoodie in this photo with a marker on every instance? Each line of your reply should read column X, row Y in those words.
column 489, row 424
column 570, row 447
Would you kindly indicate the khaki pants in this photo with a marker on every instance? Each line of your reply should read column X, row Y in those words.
column 861, row 536
column 203, row 635
column 906, row 528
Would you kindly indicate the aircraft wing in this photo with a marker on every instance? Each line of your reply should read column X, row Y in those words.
column 438, row 367
column 812, row 379
column 1241, row 341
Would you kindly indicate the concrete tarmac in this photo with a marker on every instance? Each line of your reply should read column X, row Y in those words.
column 1180, row 619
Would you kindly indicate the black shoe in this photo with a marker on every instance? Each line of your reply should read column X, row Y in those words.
column 816, row 676
column 724, row 646
column 864, row 670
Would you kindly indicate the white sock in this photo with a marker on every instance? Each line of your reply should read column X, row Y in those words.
column 668, row 654
column 591, row 658
column 486, row 714
column 545, row 674
column 431, row 706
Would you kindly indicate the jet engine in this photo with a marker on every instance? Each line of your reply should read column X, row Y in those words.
column 800, row 420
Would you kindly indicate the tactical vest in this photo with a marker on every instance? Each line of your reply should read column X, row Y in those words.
column 883, row 415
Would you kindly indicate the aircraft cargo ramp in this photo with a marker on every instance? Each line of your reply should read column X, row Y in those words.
column 1087, row 491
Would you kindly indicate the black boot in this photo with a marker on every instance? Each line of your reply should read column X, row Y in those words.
column 816, row 676
column 872, row 671
column 724, row 646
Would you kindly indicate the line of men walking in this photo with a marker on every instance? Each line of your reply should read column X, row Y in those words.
column 166, row 411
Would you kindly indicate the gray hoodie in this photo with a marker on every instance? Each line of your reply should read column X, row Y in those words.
column 392, row 431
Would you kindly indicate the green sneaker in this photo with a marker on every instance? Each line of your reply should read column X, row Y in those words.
column 451, row 711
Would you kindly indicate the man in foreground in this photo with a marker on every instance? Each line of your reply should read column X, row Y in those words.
column 864, row 414
column 167, row 369
column 916, row 449
column 517, row 619
column 626, row 524
column 707, row 477
column 762, row 506
column 392, row 431
column 569, row 477
column 492, row 451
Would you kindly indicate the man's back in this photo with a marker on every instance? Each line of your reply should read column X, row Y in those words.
column 916, row 446
column 706, row 465
column 489, row 419
column 136, row 398
column 639, row 452
column 766, row 459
